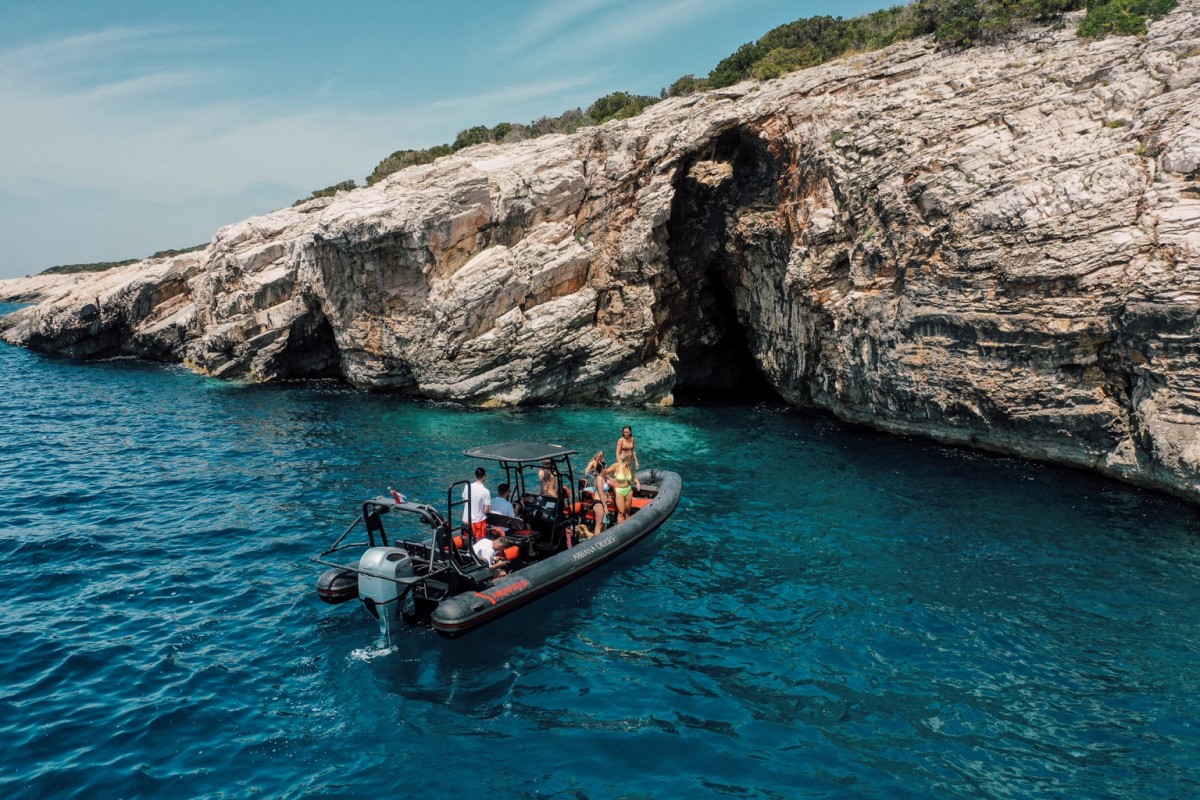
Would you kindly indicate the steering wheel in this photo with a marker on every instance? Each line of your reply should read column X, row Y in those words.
column 537, row 509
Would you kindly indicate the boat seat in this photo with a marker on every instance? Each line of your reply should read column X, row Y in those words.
column 522, row 539
column 477, row 572
column 504, row 521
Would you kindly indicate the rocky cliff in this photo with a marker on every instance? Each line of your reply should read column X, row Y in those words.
column 996, row 247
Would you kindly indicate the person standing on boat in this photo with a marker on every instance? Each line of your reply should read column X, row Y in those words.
column 478, row 503
column 548, row 478
column 623, row 482
column 625, row 446
column 595, row 467
column 595, row 471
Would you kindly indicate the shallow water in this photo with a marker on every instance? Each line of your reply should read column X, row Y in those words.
column 830, row 612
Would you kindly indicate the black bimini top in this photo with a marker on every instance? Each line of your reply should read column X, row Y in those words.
column 519, row 452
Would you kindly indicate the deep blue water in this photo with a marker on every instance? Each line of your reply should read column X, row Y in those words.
column 830, row 612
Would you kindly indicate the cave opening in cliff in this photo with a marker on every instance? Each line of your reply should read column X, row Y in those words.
column 731, row 376
column 311, row 350
column 710, row 246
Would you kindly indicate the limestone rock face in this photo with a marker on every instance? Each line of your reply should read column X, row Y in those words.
column 996, row 247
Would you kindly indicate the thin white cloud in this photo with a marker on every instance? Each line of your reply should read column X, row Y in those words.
column 142, row 86
column 39, row 55
column 116, row 54
column 642, row 23
column 551, row 20
column 613, row 28
column 109, row 112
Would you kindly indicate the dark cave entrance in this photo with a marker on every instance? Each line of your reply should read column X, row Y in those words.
column 730, row 376
column 311, row 350
column 715, row 234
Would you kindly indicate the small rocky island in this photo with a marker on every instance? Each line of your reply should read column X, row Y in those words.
column 996, row 247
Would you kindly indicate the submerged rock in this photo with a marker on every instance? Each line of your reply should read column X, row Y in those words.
column 995, row 247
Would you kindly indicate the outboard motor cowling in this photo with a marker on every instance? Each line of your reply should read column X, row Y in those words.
column 386, row 599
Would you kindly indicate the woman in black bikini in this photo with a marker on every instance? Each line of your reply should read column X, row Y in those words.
column 595, row 470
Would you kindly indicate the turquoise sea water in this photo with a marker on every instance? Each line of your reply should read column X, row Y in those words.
column 830, row 612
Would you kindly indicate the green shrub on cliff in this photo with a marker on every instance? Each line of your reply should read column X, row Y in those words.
column 617, row 105
column 104, row 266
column 169, row 253
column 688, row 84
column 1121, row 17
column 812, row 41
column 329, row 191
column 99, row 266
column 953, row 23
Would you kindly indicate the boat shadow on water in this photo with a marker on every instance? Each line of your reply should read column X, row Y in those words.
column 478, row 677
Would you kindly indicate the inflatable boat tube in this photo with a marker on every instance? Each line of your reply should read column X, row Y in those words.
column 465, row 612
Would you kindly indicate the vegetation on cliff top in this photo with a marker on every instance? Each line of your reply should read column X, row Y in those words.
column 809, row 42
column 104, row 266
column 329, row 191
column 618, row 105
column 953, row 23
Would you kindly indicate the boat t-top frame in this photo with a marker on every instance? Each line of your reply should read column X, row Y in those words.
column 541, row 480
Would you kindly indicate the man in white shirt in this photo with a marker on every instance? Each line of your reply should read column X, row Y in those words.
column 491, row 552
column 479, row 501
column 485, row 548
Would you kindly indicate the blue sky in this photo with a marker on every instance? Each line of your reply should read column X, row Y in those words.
column 131, row 127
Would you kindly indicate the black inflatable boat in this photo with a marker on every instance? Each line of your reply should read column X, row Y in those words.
column 434, row 574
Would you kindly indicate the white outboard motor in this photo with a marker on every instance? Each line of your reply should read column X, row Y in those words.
column 380, row 595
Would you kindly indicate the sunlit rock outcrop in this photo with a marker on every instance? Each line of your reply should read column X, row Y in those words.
column 996, row 247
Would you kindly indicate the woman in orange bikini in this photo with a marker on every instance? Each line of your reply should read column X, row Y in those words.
column 625, row 446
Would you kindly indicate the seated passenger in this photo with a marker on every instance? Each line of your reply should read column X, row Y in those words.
column 491, row 552
column 501, row 505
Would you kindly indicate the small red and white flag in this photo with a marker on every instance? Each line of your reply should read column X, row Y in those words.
column 399, row 497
